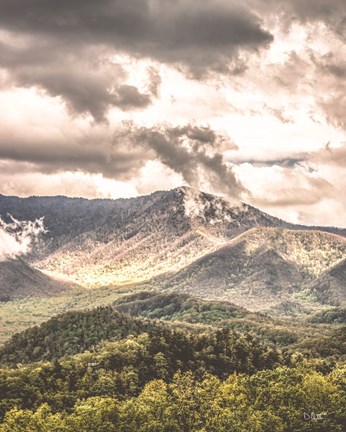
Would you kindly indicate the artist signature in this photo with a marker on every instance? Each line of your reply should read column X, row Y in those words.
column 313, row 416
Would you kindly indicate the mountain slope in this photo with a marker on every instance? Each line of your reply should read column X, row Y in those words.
column 261, row 268
column 232, row 250
column 330, row 287
column 137, row 342
column 75, row 332
column 152, row 235
column 70, row 333
column 18, row 280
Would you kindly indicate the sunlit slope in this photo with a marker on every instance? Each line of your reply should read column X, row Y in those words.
column 165, row 234
column 265, row 267
column 116, row 242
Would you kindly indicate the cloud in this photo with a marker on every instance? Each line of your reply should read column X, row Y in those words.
column 279, row 113
column 316, row 75
column 86, row 78
column 17, row 237
column 128, row 97
column 193, row 152
column 87, row 151
column 198, row 36
column 288, row 186
column 330, row 68
column 330, row 12
column 154, row 82
column 118, row 151
column 307, row 190
column 272, row 73
column 331, row 156
column 284, row 163
column 44, row 139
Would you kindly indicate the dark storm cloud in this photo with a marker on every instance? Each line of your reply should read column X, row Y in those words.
column 201, row 36
column 330, row 11
column 128, row 97
column 90, row 153
column 82, row 76
column 191, row 151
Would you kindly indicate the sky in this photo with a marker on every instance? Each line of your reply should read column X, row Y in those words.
column 116, row 99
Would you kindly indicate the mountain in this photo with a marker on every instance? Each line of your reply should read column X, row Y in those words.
column 265, row 267
column 188, row 241
column 101, row 242
column 20, row 280
column 330, row 316
column 159, row 315
column 77, row 332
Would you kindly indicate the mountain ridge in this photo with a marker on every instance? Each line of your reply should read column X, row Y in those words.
column 164, row 236
column 60, row 198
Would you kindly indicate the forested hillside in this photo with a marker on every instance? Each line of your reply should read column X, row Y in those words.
column 70, row 333
column 74, row 332
column 175, row 381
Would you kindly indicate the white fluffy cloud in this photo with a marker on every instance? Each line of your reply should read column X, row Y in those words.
column 17, row 237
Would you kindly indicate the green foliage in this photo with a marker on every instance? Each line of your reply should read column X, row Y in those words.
column 95, row 414
column 156, row 376
column 68, row 334
column 330, row 316
column 41, row 420
column 333, row 345
column 75, row 332
column 272, row 400
column 178, row 307
column 123, row 368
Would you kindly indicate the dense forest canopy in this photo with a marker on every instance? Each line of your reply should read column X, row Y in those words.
column 155, row 376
